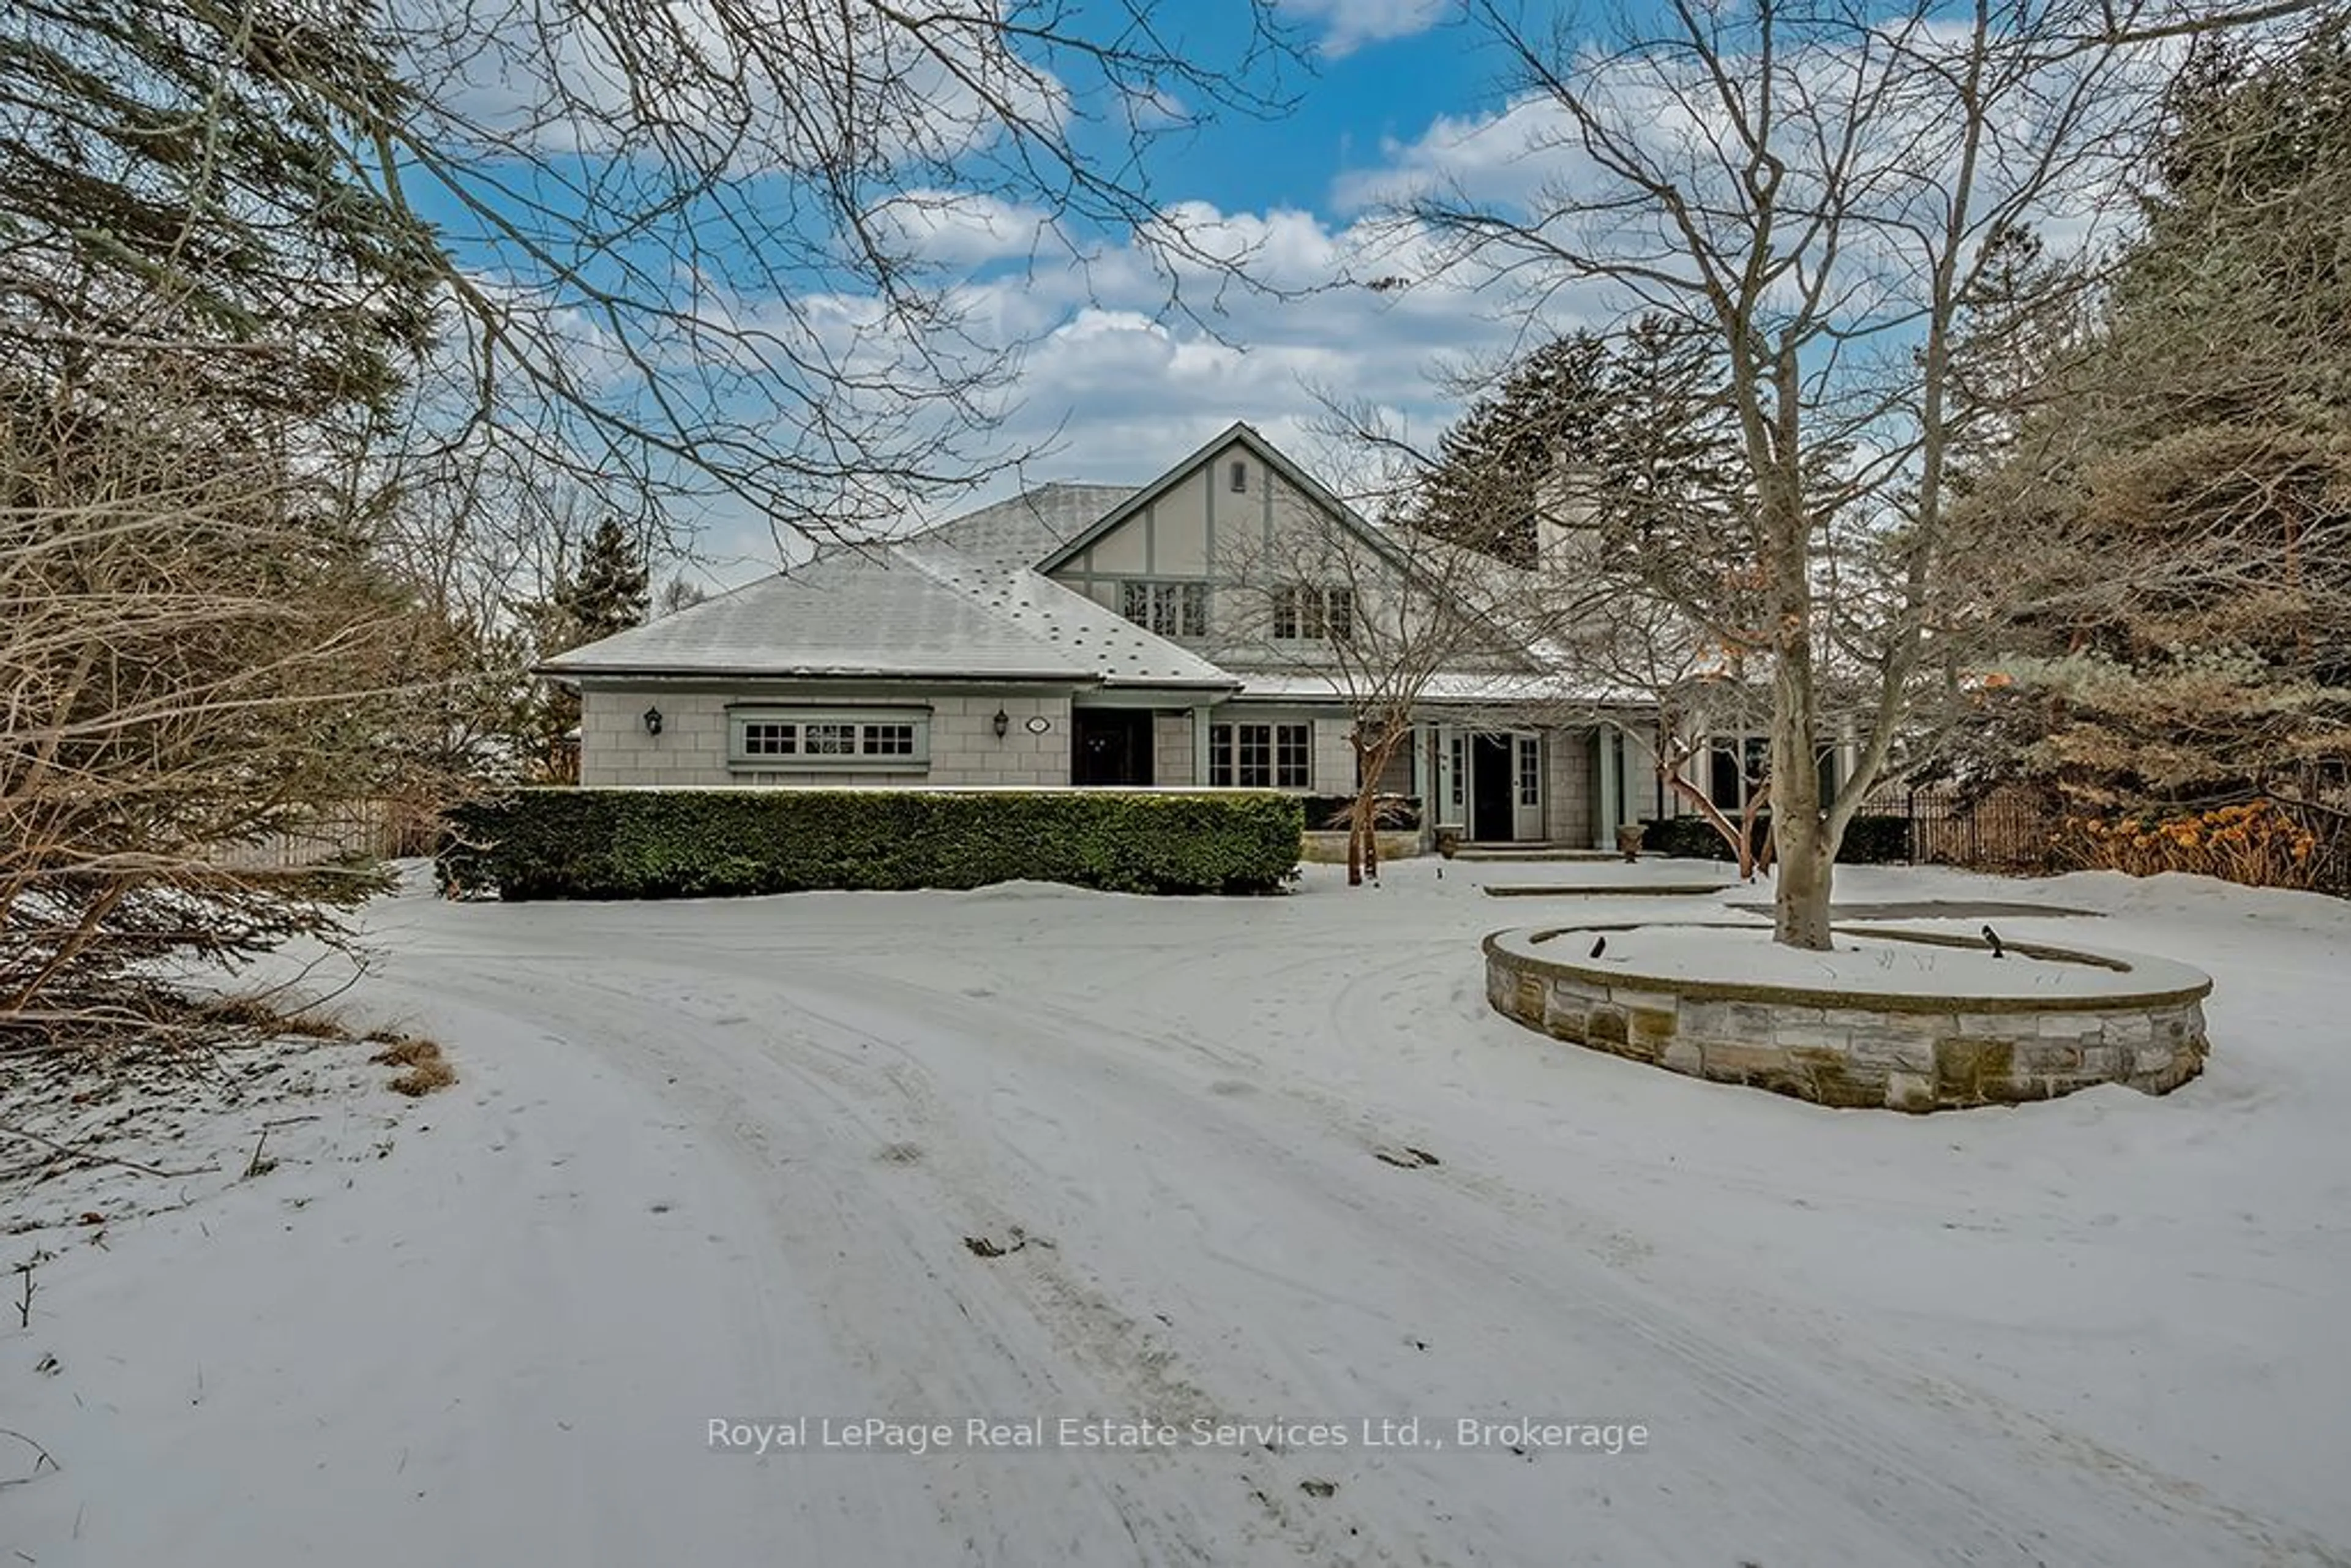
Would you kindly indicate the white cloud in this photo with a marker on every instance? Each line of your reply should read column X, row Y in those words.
column 1349, row 25
column 963, row 228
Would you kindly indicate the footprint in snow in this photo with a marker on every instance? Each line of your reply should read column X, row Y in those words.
column 1404, row 1157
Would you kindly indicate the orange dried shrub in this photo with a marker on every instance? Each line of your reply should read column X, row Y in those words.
column 2257, row 844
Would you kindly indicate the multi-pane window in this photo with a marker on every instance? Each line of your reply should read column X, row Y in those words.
column 1169, row 609
column 1460, row 771
column 761, row 737
column 1293, row 756
column 1262, row 756
column 1304, row 611
column 781, row 738
column 886, row 740
column 1530, row 771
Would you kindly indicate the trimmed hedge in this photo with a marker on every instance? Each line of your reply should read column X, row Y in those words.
column 691, row 843
column 1868, row 840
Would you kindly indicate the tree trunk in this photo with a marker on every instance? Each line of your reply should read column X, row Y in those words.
column 1359, row 816
column 1805, row 834
column 1800, row 909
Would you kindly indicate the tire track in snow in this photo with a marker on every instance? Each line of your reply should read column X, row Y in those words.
column 1905, row 1502
column 1736, row 1370
column 920, row 1318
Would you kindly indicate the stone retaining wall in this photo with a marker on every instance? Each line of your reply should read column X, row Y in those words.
column 1909, row 1052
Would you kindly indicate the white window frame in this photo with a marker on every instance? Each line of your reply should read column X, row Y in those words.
column 1165, row 606
column 1284, row 750
column 864, row 731
column 1313, row 613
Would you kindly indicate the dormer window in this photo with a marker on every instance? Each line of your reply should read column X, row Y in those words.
column 1241, row 479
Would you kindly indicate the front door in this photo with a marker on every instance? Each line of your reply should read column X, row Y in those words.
column 1110, row 746
column 1528, row 825
column 1493, row 788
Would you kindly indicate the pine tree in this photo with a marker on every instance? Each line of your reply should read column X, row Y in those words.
column 1496, row 463
column 611, row 592
column 1632, row 430
column 2177, row 509
column 185, row 178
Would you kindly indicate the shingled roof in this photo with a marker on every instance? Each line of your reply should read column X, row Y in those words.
column 959, row 603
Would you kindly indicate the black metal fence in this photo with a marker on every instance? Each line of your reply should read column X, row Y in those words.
column 2001, row 830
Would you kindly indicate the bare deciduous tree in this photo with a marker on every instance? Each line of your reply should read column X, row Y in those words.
column 1812, row 189
column 750, row 252
column 201, row 653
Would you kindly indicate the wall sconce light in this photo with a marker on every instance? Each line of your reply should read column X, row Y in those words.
column 653, row 721
column 1003, row 722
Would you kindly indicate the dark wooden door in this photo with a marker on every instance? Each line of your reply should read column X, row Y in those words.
column 1111, row 746
column 1493, row 785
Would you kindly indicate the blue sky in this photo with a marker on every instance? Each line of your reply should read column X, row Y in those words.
column 1110, row 383
column 1376, row 93
column 1118, row 388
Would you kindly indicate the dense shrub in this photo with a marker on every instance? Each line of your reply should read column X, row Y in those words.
column 682, row 843
column 1683, row 838
column 1868, row 840
column 2259, row 843
column 1875, row 841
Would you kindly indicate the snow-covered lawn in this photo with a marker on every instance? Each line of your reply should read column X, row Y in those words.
column 1034, row 1153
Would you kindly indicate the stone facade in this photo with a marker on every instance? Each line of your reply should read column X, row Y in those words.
column 1330, row 848
column 1173, row 755
column 691, row 749
column 1567, row 786
column 1906, row 1052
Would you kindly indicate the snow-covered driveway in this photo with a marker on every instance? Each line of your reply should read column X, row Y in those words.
column 1239, row 1163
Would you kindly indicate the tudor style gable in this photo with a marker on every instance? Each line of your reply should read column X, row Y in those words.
column 1220, row 553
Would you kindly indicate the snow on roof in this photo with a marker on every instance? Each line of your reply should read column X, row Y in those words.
column 845, row 614
column 1112, row 647
column 917, row 609
column 1027, row 528
column 1463, row 687
column 962, row 600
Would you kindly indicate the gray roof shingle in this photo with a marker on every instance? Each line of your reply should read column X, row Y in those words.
column 957, row 601
column 1027, row 528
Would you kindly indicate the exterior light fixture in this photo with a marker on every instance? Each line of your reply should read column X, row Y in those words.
column 653, row 721
column 1003, row 722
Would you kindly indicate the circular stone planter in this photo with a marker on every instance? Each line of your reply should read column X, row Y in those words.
column 1911, row 1019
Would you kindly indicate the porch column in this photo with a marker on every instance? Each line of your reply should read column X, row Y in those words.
column 1607, row 806
column 1200, row 745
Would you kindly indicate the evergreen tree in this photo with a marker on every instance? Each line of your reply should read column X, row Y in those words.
column 610, row 591
column 1497, row 464
column 174, row 174
column 2174, row 522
